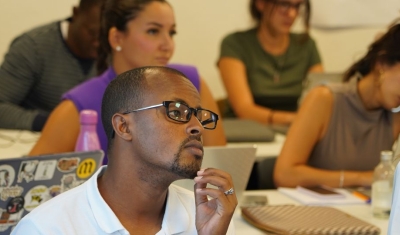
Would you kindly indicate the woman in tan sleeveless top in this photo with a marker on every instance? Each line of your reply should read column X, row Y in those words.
column 340, row 129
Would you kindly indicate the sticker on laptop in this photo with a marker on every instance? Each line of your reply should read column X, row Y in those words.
column 45, row 170
column 69, row 181
column 13, row 191
column 54, row 190
column 27, row 171
column 7, row 176
column 36, row 196
column 15, row 205
column 86, row 168
column 7, row 219
column 67, row 164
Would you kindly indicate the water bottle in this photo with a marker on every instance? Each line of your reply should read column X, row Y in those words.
column 88, row 139
column 382, row 186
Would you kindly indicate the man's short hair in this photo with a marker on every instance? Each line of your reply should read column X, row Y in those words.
column 87, row 4
column 126, row 92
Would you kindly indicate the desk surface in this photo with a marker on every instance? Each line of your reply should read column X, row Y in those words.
column 16, row 143
column 362, row 212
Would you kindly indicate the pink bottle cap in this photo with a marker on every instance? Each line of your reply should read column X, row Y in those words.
column 88, row 116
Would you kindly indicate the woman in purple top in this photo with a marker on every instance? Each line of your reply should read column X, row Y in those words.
column 133, row 34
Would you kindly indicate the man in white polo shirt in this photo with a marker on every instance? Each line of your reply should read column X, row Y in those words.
column 154, row 122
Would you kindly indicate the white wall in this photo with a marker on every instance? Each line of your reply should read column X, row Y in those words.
column 201, row 25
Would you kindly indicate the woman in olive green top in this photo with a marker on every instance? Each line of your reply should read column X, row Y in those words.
column 263, row 68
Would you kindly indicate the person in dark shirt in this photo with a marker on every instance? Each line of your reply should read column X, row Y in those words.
column 45, row 62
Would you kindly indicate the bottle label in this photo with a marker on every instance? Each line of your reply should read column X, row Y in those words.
column 381, row 194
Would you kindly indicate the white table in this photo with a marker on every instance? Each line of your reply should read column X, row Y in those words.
column 362, row 212
column 16, row 143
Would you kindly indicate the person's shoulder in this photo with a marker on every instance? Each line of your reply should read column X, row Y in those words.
column 242, row 34
column 179, row 66
column 42, row 31
column 322, row 91
column 301, row 39
column 50, row 209
column 40, row 36
column 97, row 84
column 47, row 217
column 189, row 71
column 320, row 96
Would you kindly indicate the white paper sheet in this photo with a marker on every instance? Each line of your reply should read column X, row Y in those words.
column 309, row 200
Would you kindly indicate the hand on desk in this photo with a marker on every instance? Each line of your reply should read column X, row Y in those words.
column 213, row 216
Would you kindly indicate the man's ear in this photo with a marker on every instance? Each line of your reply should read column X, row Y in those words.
column 121, row 127
column 75, row 12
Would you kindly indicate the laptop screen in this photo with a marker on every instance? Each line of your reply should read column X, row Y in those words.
column 237, row 161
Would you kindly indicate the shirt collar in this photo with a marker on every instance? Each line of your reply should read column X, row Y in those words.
column 105, row 217
column 176, row 217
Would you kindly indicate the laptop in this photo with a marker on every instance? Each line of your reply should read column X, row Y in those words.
column 27, row 182
column 245, row 130
column 236, row 160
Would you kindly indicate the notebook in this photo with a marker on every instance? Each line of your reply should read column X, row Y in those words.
column 238, row 161
column 28, row 182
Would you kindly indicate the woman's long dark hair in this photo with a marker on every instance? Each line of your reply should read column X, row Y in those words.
column 385, row 50
column 116, row 13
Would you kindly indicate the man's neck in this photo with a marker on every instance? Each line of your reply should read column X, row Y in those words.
column 71, row 41
column 138, row 205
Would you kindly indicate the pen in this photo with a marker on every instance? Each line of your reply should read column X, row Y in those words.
column 362, row 196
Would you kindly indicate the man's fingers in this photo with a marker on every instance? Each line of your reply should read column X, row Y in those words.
column 224, row 202
column 219, row 179
column 199, row 198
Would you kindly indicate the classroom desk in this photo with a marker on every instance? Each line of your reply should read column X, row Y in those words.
column 362, row 212
column 16, row 143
